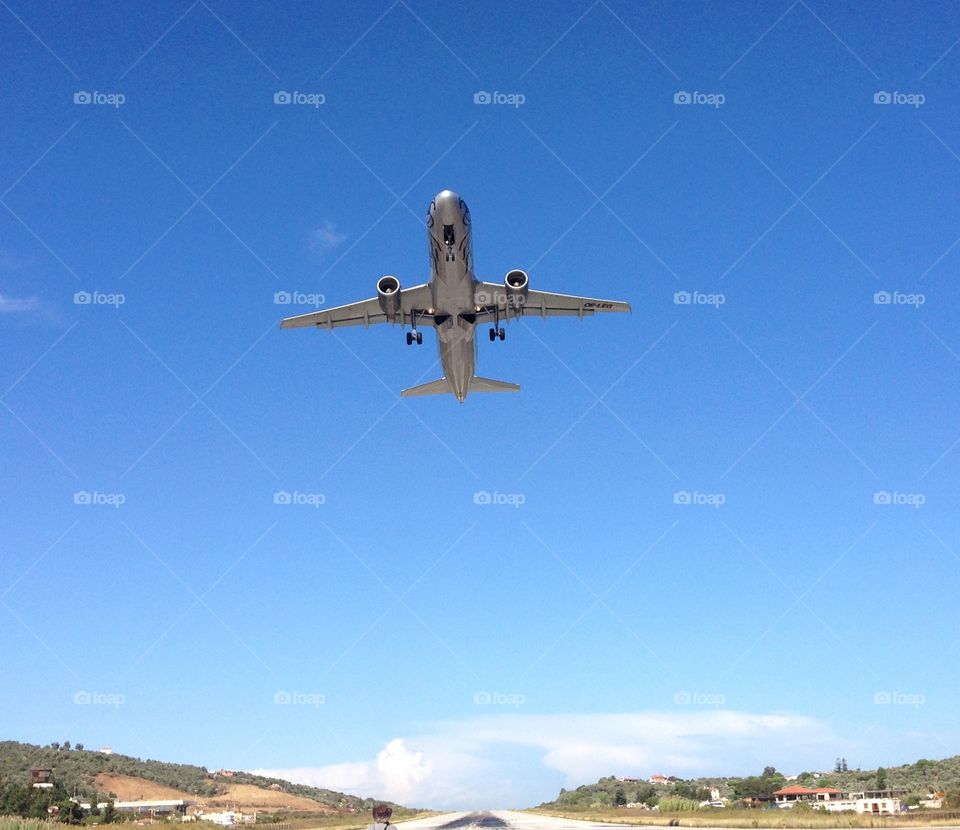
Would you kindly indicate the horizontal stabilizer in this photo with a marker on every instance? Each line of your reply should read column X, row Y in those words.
column 487, row 385
column 435, row 387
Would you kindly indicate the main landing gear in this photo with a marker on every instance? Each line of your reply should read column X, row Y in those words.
column 497, row 332
column 414, row 335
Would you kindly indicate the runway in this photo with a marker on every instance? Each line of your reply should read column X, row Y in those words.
column 505, row 820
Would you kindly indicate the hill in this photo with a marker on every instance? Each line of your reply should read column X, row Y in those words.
column 246, row 797
column 916, row 780
column 95, row 775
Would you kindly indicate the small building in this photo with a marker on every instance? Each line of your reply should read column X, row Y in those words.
column 40, row 778
column 788, row 796
column 659, row 780
column 874, row 802
column 154, row 807
column 225, row 819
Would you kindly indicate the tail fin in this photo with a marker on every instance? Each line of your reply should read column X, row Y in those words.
column 479, row 384
column 435, row 387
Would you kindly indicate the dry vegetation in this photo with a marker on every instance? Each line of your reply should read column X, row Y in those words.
column 773, row 819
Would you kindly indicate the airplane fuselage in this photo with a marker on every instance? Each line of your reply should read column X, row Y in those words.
column 453, row 287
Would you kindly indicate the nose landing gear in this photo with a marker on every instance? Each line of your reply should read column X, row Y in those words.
column 414, row 337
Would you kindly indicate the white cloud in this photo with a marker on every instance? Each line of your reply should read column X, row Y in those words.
column 326, row 237
column 18, row 305
column 518, row 760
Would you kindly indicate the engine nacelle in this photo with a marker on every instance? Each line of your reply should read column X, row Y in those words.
column 517, row 284
column 388, row 293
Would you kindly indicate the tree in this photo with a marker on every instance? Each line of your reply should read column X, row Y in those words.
column 769, row 771
column 14, row 800
column 66, row 745
column 645, row 794
column 79, row 747
column 109, row 813
column 757, row 786
column 881, row 778
column 70, row 812
column 619, row 799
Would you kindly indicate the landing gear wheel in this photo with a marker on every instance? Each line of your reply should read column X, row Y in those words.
column 493, row 335
column 409, row 337
column 419, row 337
column 502, row 334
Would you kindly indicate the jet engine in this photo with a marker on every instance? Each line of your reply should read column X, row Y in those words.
column 388, row 293
column 517, row 283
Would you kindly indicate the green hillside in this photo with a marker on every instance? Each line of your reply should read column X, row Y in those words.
column 76, row 769
column 915, row 780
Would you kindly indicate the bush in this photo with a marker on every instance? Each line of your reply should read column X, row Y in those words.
column 677, row 804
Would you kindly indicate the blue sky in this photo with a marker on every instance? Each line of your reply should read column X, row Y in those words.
column 723, row 531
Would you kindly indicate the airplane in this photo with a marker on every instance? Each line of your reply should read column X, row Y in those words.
column 454, row 302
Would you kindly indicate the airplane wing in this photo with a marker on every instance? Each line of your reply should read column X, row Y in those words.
column 414, row 300
column 492, row 297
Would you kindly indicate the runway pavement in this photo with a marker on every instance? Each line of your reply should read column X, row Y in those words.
column 504, row 820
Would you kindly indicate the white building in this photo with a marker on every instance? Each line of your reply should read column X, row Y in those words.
column 880, row 803
column 154, row 807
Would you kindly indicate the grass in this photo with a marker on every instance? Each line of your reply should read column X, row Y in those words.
column 17, row 823
column 356, row 821
column 775, row 819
